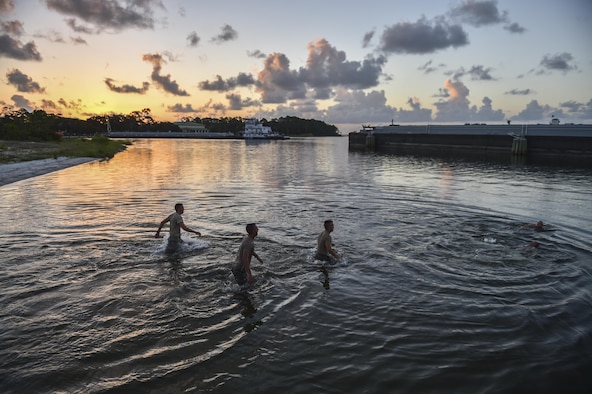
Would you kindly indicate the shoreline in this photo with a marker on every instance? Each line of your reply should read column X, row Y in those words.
column 14, row 172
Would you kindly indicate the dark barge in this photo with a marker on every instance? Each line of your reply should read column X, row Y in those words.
column 569, row 143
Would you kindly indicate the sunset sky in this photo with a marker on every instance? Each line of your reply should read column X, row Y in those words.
column 346, row 63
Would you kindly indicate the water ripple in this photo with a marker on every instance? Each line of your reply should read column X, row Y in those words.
column 438, row 289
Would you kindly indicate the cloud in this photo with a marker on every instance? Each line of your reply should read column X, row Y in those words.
column 77, row 28
column 479, row 13
column 162, row 81
column 367, row 38
column 326, row 67
column 52, row 36
column 573, row 106
column 457, row 107
column 523, row 92
column 180, row 108
column 277, row 83
column 14, row 28
column 514, row 28
column 193, row 39
column 487, row 113
column 170, row 56
column 257, row 54
column 371, row 107
column 353, row 105
column 49, row 105
column 480, row 73
column 228, row 34
column 587, row 111
column 427, row 68
column 477, row 73
column 422, row 37
column 108, row 14
column 579, row 110
column 220, row 85
column 14, row 49
column 126, row 88
column 415, row 114
column 78, row 41
column 210, row 109
column 23, row 82
column 558, row 62
column 305, row 108
column 21, row 102
column 73, row 106
column 6, row 6
column 236, row 102
column 534, row 111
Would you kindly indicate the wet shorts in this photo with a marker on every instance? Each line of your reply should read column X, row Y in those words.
column 325, row 258
column 322, row 257
column 240, row 274
column 173, row 244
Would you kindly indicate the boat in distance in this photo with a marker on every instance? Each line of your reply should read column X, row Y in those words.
column 255, row 130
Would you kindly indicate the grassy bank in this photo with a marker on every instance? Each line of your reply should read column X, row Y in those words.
column 100, row 147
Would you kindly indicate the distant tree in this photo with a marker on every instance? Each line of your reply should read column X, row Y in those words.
column 29, row 126
column 19, row 124
column 143, row 117
column 291, row 125
column 232, row 125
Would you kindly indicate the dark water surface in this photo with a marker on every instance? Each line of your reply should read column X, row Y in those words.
column 438, row 290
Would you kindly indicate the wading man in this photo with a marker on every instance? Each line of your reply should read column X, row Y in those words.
column 325, row 251
column 242, row 265
column 175, row 221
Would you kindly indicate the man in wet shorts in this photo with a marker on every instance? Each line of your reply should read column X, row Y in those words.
column 325, row 251
column 175, row 221
column 241, row 268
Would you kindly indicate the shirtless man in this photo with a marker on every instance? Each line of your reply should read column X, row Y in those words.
column 242, row 265
column 325, row 251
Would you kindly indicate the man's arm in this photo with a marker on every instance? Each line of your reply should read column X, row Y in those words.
column 257, row 257
column 330, row 250
column 184, row 227
column 165, row 221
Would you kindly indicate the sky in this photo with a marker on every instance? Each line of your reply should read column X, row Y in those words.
column 350, row 64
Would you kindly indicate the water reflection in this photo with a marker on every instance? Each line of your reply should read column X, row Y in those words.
column 248, row 310
column 325, row 273
column 440, row 289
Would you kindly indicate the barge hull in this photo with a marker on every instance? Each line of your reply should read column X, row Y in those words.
column 571, row 145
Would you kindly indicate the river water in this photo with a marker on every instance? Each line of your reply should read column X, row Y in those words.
column 438, row 289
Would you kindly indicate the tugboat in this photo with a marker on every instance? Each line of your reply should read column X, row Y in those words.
column 254, row 130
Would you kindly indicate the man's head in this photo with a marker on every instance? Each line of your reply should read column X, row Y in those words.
column 252, row 230
column 328, row 225
column 179, row 208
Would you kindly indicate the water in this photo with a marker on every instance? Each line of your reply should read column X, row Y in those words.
column 438, row 290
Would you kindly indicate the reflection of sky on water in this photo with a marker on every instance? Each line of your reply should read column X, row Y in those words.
column 81, row 267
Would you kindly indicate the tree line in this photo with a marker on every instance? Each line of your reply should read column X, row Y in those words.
column 39, row 125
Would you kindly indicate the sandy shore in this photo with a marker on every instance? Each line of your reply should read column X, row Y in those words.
column 14, row 172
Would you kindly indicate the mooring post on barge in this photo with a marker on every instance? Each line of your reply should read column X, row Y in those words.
column 370, row 140
column 519, row 144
